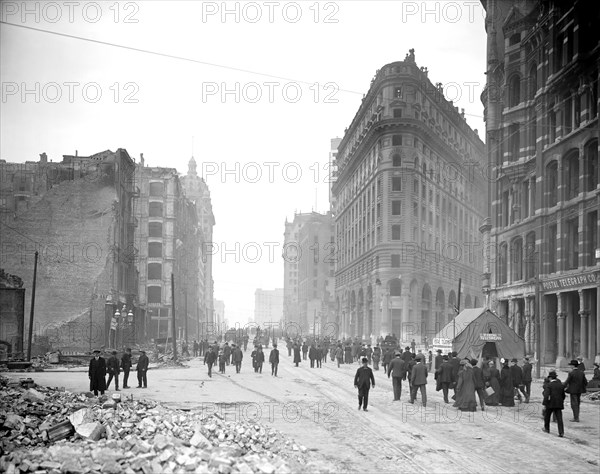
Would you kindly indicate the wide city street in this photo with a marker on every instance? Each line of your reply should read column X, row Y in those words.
column 318, row 408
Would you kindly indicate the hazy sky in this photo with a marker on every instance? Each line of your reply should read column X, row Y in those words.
column 261, row 86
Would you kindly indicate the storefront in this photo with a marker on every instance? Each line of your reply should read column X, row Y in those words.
column 569, row 307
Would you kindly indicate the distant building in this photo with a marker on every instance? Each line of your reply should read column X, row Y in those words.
column 268, row 307
column 196, row 190
column 219, row 317
column 407, row 209
column 541, row 112
column 167, row 239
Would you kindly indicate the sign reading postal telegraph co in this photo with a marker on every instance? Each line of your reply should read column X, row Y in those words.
column 571, row 281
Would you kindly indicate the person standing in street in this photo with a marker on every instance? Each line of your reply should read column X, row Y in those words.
column 526, row 378
column 418, row 377
column 142, row 368
column 575, row 385
column 209, row 359
column 376, row 357
column 112, row 366
column 195, row 348
column 397, row 369
column 445, row 377
column 455, row 363
column 517, row 378
column 274, row 360
column 126, row 366
column 97, row 374
column 227, row 353
column 507, row 389
column 297, row 356
column 554, row 396
column 259, row 359
column 339, row 355
column 363, row 380
column 479, row 383
column 312, row 354
column 305, row 349
column 237, row 356
column 465, row 388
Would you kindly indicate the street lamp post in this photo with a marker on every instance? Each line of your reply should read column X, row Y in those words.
column 117, row 318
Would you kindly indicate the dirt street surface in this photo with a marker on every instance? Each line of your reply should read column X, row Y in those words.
column 318, row 408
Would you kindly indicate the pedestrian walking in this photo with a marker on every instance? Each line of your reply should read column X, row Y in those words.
column 126, row 366
column 274, row 360
column 397, row 370
column 491, row 378
column 297, row 356
column 517, row 378
column 305, row 350
column 227, row 353
column 418, row 378
column 376, row 357
column 554, row 396
column 363, row 381
column 455, row 363
column 209, row 359
column 575, row 385
column 258, row 359
column 339, row 355
column 445, row 377
column 237, row 356
column 348, row 354
column 413, row 345
column 112, row 367
column 142, row 369
column 311, row 355
column 97, row 374
column 195, row 348
column 507, row 389
column 319, row 356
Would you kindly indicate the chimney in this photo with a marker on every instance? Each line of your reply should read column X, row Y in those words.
column 43, row 158
column 76, row 152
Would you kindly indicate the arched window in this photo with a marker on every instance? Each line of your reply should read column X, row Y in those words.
column 530, row 256
column 514, row 91
column 551, row 181
column 516, row 253
column 502, row 263
column 532, row 81
column 590, row 156
column 571, row 174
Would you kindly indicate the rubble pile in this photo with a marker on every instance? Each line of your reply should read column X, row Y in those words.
column 55, row 431
column 591, row 396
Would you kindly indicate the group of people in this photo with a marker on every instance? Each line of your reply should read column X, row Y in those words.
column 233, row 355
column 99, row 368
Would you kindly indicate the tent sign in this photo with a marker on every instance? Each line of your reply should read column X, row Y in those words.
column 490, row 337
column 439, row 341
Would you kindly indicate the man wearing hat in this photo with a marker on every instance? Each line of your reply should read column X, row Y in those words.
column 237, row 356
column 575, row 385
column 126, row 365
column 274, row 360
column 418, row 378
column 363, row 380
column 437, row 362
column 554, row 396
column 517, row 378
column 397, row 369
column 445, row 377
column 455, row 363
column 97, row 374
column 113, row 370
column 142, row 368
column 478, row 383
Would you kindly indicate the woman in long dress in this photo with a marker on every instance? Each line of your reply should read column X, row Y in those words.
column 507, row 390
column 491, row 375
column 465, row 388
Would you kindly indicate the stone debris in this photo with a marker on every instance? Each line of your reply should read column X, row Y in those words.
column 134, row 437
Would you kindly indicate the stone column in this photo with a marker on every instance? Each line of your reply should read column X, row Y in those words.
column 583, row 329
column 385, row 312
column 561, row 360
column 511, row 313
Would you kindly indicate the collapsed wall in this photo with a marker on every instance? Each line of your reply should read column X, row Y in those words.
column 72, row 227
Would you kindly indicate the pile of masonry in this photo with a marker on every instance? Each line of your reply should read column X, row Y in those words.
column 49, row 430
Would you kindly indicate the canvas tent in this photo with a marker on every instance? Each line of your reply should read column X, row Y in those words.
column 478, row 329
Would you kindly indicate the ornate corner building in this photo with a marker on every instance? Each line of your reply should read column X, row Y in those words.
column 541, row 112
column 408, row 199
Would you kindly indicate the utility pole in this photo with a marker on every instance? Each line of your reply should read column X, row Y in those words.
column 457, row 310
column 186, row 314
column 173, row 328
column 32, row 306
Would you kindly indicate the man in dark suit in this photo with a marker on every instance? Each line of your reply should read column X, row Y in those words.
column 575, row 385
column 142, row 368
column 478, row 382
column 274, row 360
column 517, row 377
column 126, row 366
column 445, row 377
column 554, row 396
column 97, row 374
column 437, row 362
column 209, row 359
column 363, row 380
column 455, row 363
column 397, row 369
column 406, row 355
column 527, row 378
column 418, row 377
column 112, row 367
column 237, row 356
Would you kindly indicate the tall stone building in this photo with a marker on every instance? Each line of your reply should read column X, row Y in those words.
column 309, row 281
column 268, row 307
column 541, row 111
column 167, row 239
column 407, row 209
column 79, row 215
column 197, row 191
